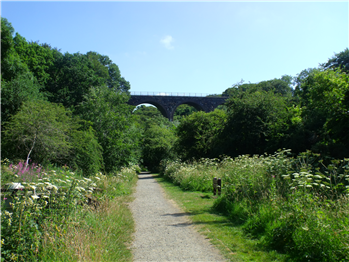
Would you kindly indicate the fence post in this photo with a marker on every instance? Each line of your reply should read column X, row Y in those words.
column 214, row 186
column 219, row 186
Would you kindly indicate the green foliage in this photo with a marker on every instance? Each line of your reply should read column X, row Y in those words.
column 190, row 176
column 326, row 115
column 302, row 81
column 253, row 120
column 51, row 135
column 111, row 118
column 72, row 77
column 18, row 83
column 86, row 153
column 157, row 146
column 23, row 87
column 183, row 110
column 7, row 32
column 11, row 64
column 280, row 86
column 39, row 131
column 197, row 134
column 36, row 57
column 109, row 71
column 339, row 60
column 148, row 116
column 85, row 237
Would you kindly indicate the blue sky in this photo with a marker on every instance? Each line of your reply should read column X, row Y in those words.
column 191, row 47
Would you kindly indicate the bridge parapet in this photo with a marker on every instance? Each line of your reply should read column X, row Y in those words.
column 144, row 93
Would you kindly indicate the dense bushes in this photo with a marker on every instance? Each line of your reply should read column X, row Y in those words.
column 294, row 205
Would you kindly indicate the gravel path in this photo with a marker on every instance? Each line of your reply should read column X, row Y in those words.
column 163, row 232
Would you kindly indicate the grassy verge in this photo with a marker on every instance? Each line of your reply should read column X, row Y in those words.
column 295, row 206
column 101, row 233
column 58, row 215
column 223, row 233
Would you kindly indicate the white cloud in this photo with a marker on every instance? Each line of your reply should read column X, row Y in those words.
column 167, row 41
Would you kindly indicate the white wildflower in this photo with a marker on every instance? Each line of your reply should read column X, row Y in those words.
column 80, row 189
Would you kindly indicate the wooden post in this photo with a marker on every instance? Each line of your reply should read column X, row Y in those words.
column 214, row 185
column 219, row 186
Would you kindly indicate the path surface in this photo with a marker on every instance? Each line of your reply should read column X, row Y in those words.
column 163, row 232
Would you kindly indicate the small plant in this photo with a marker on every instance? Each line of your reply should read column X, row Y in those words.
column 26, row 172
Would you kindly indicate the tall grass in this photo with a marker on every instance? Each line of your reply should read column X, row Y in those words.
column 101, row 233
column 54, row 214
column 294, row 205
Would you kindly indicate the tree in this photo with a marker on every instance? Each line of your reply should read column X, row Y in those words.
column 252, row 121
column 86, row 153
column 278, row 86
column 327, row 113
column 184, row 110
column 39, row 131
column 38, row 58
column 147, row 116
column 115, row 127
column 302, row 81
column 7, row 32
column 239, row 89
column 18, row 84
column 11, row 63
column 157, row 145
column 109, row 71
column 72, row 77
column 197, row 134
column 339, row 60
column 23, row 87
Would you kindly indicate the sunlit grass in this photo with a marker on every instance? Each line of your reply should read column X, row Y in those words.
column 97, row 235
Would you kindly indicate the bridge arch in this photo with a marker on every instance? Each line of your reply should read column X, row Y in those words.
column 193, row 104
column 158, row 106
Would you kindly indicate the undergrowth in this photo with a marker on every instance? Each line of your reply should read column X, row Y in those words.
column 53, row 214
column 298, row 206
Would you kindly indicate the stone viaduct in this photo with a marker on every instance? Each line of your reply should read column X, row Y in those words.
column 167, row 104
